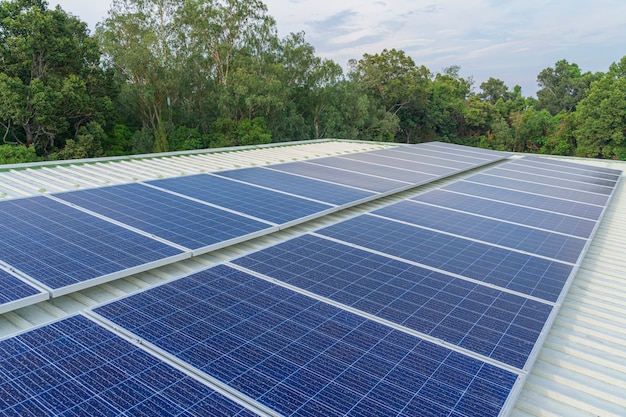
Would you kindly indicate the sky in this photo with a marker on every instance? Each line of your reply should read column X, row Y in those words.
column 511, row 40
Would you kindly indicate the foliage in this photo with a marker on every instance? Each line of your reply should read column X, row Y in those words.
column 17, row 154
column 168, row 75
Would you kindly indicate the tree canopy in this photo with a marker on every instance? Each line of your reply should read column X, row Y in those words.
column 161, row 75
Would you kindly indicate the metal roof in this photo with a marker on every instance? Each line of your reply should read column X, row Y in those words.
column 581, row 368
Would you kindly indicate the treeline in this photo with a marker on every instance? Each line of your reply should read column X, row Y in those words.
column 167, row 75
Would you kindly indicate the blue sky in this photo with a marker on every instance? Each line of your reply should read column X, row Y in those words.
column 512, row 40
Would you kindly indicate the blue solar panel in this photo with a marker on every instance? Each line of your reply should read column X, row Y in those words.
column 566, row 224
column 254, row 201
column 415, row 163
column 566, row 166
column 461, row 151
column 541, row 189
column 527, row 239
column 59, row 246
column 75, row 367
column 436, row 158
column 383, row 171
column 337, row 176
column 506, row 171
column 298, row 185
column 299, row 356
column 499, row 325
column 185, row 222
column 516, row 271
column 539, row 169
column 542, row 202
column 13, row 289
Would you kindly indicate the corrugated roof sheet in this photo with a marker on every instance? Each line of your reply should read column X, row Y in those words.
column 580, row 371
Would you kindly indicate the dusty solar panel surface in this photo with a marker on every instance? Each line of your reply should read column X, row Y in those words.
column 328, row 323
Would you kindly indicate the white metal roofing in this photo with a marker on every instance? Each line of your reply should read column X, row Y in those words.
column 580, row 371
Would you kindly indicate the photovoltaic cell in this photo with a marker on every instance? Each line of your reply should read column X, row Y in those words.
column 337, row 176
column 566, row 224
column 527, row 239
column 516, row 271
column 13, row 289
column 556, row 181
column 75, row 367
column 541, row 189
column 522, row 166
column 572, row 208
column 381, row 171
column 416, row 163
column 436, row 158
column 59, row 246
column 299, row 356
column 462, row 151
column 298, row 185
column 261, row 203
column 573, row 167
column 179, row 220
column 487, row 321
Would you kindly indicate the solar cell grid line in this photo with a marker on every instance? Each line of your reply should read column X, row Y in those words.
column 76, row 367
column 515, row 165
column 336, row 194
column 65, row 249
column 490, row 322
column 502, row 172
column 570, row 168
column 16, row 293
column 349, row 166
column 179, row 220
column 526, row 199
column 422, row 164
column 260, row 203
column 455, row 153
column 566, row 165
column 514, row 236
column 511, row 212
column 515, row 271
column 337, row 176
column 303, row 357
column 541, row 189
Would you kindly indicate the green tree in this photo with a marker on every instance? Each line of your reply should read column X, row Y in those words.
column 601, row 116
column 51, row 83
column 562, row 87
column 493, row 90
column 17, row 154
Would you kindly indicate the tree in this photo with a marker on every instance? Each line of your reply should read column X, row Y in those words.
column 493, row 90
column 601, row 116
column 51, row 83
column 562, row 87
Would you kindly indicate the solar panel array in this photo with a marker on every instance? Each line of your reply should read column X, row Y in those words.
column 68, row 241
column 435, row 305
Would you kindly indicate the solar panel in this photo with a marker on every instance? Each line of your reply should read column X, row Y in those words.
column 581, row 176
column 485, row 320
column 337, row 176
column 75, row 367
column 179, row 220
column 260, row 203
column 527, row 199
column 66, row 249
column 555, row 180
column 566, row 166
column 300, row 356
column 382, row 171
column 514, row 236
column 15, row 293
column 516, row 271
column 466, row 150
column 414, row 162
column 540, row 189
column 294, row 184
column 436, row 158
column 542, row 219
